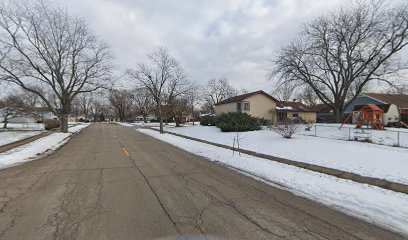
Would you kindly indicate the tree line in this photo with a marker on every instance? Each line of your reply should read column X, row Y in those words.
column 58, row 62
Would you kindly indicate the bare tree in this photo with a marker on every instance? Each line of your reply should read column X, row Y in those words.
column 10, row 107
column 217, row 90
column 164, row 77
column 345, row 50
column 143, row 102
column 85, row 102
column 206, row 108
column 121, row 103
column 179, row 108
column 32, row 99
column 42, row 46
column 193, row 96
column 96, row 110
column 284, row 92
column 308, row 96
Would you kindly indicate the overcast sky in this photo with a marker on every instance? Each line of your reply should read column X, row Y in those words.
column 211, row 38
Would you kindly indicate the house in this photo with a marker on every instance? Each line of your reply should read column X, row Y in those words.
column 399, row 100
column 76, row 118
column 31, row 115
column 258, row 104
column 295, row 110
column 324, row 114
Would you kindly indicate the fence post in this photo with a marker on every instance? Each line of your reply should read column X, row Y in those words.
column 398, row 142
column 349, row 134
column 315, row 130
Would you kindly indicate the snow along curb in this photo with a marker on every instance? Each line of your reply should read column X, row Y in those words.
column 375, row 205
column 18, row 143
column 382, row 183
column 37, row 149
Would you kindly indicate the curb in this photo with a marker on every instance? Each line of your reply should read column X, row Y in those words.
column 382, row 183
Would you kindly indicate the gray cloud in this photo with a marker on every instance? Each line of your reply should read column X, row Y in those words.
column 211, row 38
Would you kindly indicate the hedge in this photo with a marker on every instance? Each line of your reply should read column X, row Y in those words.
column 208, row 121
column 237, row 122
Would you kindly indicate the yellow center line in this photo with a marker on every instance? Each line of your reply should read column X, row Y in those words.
column 126, row 152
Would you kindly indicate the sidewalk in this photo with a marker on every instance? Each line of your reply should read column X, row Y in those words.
column 9, row 146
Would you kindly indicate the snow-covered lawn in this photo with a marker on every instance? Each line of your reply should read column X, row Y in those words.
column 347, row 132
column 143, row 124
column 366, row 159
column 26, row 126
column 34, row 149
column 7, row 137
column 125, row 124
column 383, row 207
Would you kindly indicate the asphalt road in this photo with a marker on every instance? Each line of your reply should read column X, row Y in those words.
column 111, row 182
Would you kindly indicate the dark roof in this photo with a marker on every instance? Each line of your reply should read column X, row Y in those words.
column 245, row 96
column 383, row 107
column 293, row 107
column 401, row 100
column 322, row 108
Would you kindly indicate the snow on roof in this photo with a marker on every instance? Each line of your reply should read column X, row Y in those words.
column 284, row 108
column 292, row 106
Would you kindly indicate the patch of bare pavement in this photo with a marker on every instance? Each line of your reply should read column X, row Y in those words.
column 110, row 182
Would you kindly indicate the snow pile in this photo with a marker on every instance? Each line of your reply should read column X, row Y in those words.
column 383, row 207
column 78, row 127
column 7, row 137
column 370, row 160
column 124, row 124
column 34, row 149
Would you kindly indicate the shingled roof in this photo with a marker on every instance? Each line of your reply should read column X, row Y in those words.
column 322, row 108
column 401, row 100
column 376, row 107
column 242, row 97
column 293, row 107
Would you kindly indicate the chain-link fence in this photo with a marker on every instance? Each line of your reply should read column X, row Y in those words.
column 390, row 137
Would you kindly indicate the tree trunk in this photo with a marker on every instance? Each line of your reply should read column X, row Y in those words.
column 192, row 114
column 159, row 111
column 64, row 123
column 176, row 120
column 161, row 125
column 5, row 122
column 338, row 118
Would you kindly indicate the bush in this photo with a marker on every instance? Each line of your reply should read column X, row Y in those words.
column 286, row 128
column 52, row 123
column 237, row 122
column 208, row 121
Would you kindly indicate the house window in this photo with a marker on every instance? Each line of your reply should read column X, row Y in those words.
column 295, row 115
column 239, row 106
column 246, row 106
